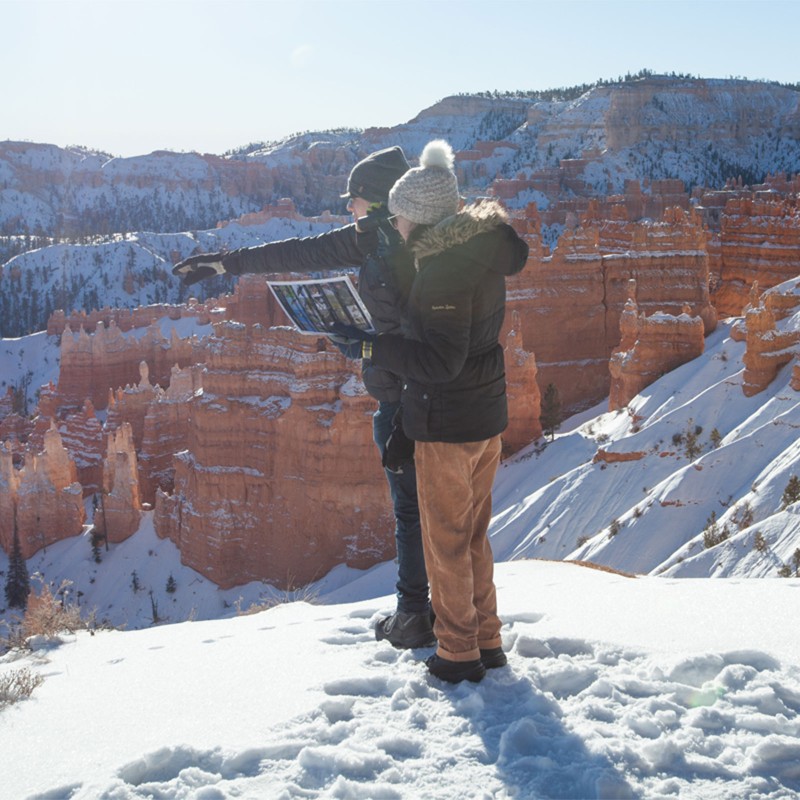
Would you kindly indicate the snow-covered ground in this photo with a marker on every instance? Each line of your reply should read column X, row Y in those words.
column 616, row 687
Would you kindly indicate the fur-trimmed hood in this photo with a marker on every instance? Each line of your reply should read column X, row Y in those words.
column 472, row 220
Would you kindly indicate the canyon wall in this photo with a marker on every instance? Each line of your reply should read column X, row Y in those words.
column 570, row 301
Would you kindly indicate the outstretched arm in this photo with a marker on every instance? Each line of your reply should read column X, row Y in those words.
column 341, row 247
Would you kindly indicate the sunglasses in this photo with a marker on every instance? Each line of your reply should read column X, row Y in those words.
column 393, row 221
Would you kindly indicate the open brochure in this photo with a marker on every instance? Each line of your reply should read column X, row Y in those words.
column 314, row 305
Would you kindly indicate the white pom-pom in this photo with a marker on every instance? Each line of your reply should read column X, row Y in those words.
column 437, row 153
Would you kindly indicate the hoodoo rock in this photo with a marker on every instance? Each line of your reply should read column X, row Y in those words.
column 90, row 365
column 767, row 347
column 44, row 497
column 165, row 431
column 649, row 348
column 82, row 435
column 524, row 398
column 280, row 480
column 119, row 513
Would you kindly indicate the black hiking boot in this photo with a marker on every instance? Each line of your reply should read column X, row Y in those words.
column 406, row 631
column 455, row 671
column 493, row 658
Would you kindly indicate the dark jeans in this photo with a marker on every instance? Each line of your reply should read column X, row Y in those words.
column 412, row 579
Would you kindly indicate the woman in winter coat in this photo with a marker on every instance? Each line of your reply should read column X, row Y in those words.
column 454, row 397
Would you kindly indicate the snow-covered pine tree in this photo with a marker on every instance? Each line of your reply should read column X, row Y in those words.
column 17, row 581
column 550, row 415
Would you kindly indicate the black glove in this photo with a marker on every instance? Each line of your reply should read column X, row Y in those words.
column 350, row 348
column 197, row 268
column 351, row 333
column 399, row 450
column 352, row 341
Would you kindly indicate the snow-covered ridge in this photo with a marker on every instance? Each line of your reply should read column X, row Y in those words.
column 700, row 131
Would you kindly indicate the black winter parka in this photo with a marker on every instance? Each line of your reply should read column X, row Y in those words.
column 386, row 272
column 455, row 388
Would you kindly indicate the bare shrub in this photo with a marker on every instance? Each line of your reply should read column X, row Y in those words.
column 50, row 616
column 17, row 685
column 304, row 595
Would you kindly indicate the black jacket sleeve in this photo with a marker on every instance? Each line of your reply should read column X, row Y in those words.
column 342, row 247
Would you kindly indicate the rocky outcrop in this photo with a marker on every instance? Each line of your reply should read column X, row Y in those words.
column 522, row 389
column 759, row 242
column 127, row 319
column 570, row 302
column 649, row 348
column 90, row 365
column 82, row 435
column 280, row 480
column 44, row 497
column 768, row 347
column 611, row 457
column 119, row 512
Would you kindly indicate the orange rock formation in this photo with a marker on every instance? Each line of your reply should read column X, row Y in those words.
column 650, row 347
column 119, row 513
column 570, row 302
column 768, row 349
column 44, row 497
column 280, row 480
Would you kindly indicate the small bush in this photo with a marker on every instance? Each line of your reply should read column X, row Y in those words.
column 614, row 528
column 47, row 616
column 759, row 542
column 17, row 685
column 743, row 516
column 791, row 494
column 712, row 534
column 691, row 445
column 303, row 595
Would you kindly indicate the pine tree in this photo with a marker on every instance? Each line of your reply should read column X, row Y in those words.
column 791, row 494
column 17, row 581
column 550, row 414
column 171, row 585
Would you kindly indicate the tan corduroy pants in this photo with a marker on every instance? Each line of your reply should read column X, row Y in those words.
column 454, row 487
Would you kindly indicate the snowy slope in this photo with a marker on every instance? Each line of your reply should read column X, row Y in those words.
column 616, row 687
column 649, row 515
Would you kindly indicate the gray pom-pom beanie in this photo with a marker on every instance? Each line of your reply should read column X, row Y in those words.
column 427, row 194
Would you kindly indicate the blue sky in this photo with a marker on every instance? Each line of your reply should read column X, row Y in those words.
column 132, row 76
